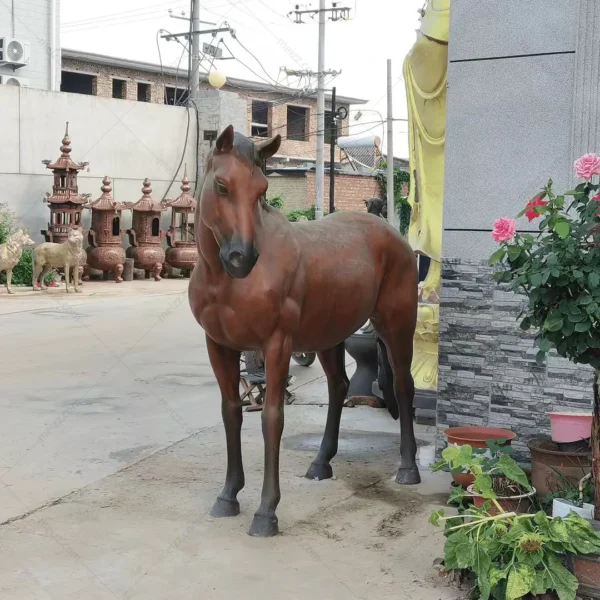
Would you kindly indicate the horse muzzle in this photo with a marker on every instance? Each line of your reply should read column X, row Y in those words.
column 238, row 257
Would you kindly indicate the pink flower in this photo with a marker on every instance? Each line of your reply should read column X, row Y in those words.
column 587, row 166
column 504, row 230
column 596, row 197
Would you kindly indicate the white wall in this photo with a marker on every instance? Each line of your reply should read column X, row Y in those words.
column 125, row 140
column 512, row 77
column 32, row 23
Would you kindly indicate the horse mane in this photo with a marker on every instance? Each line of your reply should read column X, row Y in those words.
column 244, row 147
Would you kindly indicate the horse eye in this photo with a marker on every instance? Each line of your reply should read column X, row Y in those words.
column 221, row 189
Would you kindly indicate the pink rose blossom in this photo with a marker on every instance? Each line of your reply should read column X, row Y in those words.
column 587, row 166
column 504, row 230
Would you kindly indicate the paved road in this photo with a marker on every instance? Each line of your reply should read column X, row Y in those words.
column 94, row 382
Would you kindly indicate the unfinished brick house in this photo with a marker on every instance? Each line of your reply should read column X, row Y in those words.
column 270, row 110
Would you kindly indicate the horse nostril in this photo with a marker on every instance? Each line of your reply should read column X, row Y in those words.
column 236, row 258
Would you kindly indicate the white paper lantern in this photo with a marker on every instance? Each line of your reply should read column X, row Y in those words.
column 217, row 79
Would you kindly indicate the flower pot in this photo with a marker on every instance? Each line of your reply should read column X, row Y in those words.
column 550, row 466
column 562, row 508
column 476, row 437
column 587, row 570
column 570, row 427
column 463, row 479
column 518, row 504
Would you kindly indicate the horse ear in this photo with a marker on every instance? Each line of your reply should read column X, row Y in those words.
column 268, row 148
column 225, row 140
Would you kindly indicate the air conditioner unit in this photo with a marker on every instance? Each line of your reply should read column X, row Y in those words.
column 13, row 52
column 14, row 81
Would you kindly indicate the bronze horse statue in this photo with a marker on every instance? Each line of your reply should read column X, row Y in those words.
column 264, row 283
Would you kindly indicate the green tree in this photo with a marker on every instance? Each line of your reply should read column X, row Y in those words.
column 400, row 202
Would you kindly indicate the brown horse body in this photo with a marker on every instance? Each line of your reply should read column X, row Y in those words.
column 264, row 283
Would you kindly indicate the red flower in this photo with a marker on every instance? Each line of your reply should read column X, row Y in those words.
column 596, row 197
column 532, row 214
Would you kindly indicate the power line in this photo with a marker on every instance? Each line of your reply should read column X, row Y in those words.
column 112, row 16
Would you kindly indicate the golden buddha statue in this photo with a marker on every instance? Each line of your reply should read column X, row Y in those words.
column 425, row 74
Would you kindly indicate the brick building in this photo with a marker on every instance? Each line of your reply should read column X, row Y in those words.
column 270, row 110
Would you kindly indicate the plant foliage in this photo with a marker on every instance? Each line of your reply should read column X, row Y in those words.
column 400, row 201
column 276, row 202
column 510, row 555
column 559, row 271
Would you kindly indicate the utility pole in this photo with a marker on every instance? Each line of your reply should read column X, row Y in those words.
column 391, row 205
column 332, row 143
column 195, row 74
column 320, row 175
column 193, row 36
column 337, row 13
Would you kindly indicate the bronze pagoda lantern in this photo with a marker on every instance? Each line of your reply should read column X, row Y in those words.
column 66, row 203
column 105, row 252
column 182, row 252
column 145, row 235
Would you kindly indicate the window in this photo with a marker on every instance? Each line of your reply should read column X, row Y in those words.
column 176, row 96
column 118, row 88
column 260, row 119
column 143, row 92
column 329, row 127
column 77, row 83
column 210, row 136
column 155, row 226
column 116, row 226
column 297, row 121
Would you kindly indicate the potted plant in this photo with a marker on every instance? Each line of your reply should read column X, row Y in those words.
column 495, row 475
column 507, row 556
column 559, row 271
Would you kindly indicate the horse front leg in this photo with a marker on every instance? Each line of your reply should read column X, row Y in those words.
column 226, row 366
column 277, row 362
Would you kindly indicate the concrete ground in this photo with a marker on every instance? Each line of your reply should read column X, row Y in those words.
column 112, row 452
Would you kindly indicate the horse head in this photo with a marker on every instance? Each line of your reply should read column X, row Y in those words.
column 230, row 198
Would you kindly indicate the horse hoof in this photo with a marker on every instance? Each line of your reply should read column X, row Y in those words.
column 264, row 526
column 408, row 476
column 319, row 471
column 225, row 508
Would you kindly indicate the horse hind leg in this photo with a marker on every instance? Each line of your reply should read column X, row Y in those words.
column 333, row 362
column 399, row 344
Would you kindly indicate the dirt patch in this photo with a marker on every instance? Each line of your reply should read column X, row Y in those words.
column 391, row 526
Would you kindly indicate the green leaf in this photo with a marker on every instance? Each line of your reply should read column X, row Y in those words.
column 582, row 327
column 521, row 580
column 564, row 582
column 483, row 485
column 434, row 518
column 525, row 324
column 541, row 519
column 450, row 453
column 545, row 345
column 593, row 280
column 536, row 279
column 585, row 300
column 558, row 530
column 481, row 564
column 553, row 323
column 514, row 252
column 578, row 274
column 457, row 551
column 464, row 456
column 513, row 471
column 563, row 229
column 456, row 495
column 497, row 256
column 540, row 358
